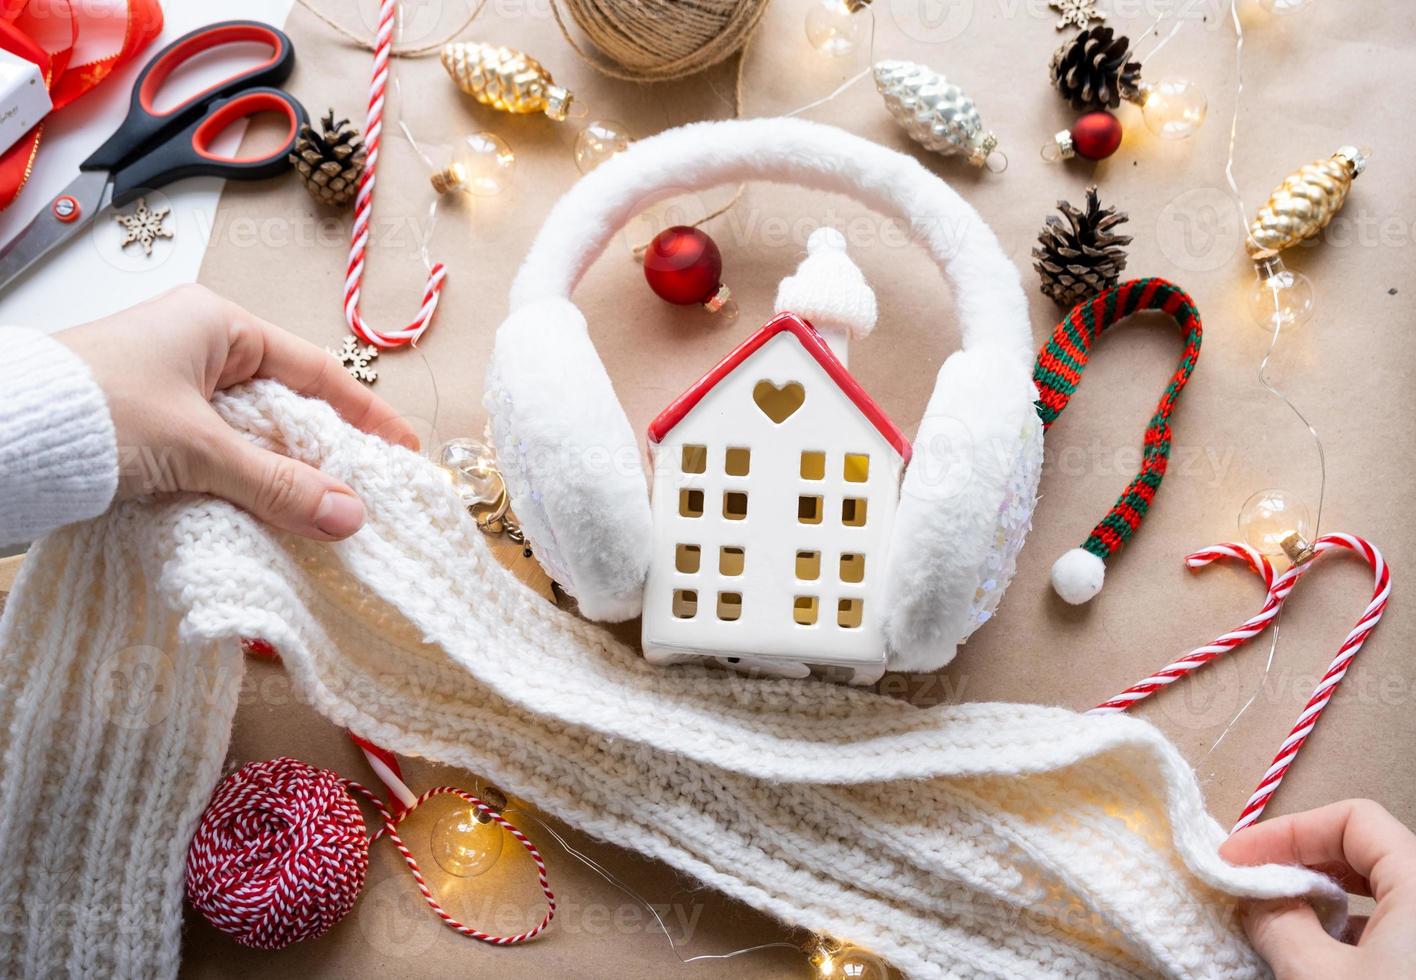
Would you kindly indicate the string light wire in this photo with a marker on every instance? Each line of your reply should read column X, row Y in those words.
column 1243, row 212
column 604, row 873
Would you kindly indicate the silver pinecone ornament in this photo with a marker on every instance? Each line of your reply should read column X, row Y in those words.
column 934, row 112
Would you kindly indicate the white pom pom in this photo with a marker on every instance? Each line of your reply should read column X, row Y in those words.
column 1077, row 576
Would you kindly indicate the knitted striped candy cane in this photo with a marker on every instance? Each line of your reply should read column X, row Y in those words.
column 364, row 206
column 1079, row 573
column 1278, row 590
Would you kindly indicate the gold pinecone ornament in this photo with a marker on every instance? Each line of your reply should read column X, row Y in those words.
column 1083, row 257
column 1304, row 203
column 505, row 79
column 331, row 161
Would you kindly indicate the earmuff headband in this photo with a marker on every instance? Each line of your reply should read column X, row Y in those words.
column 786, row 151
column 969, row 489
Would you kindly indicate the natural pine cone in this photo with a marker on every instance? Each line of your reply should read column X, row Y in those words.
column 1091, row 70
column 331, row 161
column 1081, row 258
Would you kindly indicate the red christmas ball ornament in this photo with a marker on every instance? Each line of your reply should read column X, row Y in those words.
column 683, row 265
column 1094, row 136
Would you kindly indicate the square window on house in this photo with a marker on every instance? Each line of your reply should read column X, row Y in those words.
column 735, row 505
column 738, row 461
column 686, row 558
column 731, row 561
column 691, row 503
column 695, row 459
column 729, row 606
column 808, row 565
column 856, row 468
column 808, row 509
column 685, row 603
column 852, row 568
column 804, row 610
column 849, row 613
column 853, row 512
column 813, row 465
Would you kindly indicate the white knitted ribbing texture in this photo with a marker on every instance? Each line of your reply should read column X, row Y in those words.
column 995, row 840
column 58, row 454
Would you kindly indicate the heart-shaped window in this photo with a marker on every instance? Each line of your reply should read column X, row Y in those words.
column 778, row 402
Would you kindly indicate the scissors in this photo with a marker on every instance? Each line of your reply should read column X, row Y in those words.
column 151, row 148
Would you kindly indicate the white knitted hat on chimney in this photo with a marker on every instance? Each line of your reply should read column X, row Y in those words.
column 828, row 289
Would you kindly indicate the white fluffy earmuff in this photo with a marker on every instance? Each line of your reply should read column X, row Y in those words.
column 571, row 461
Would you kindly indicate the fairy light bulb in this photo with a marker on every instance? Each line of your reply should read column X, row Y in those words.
column 466, row 842
column 832, row 26
column 1173, row 108
column 599, row 141
column 481, row 165
column 1275, row 522
column 1284, row 7
column 471, row 468
column 834, row 960
column 1280, row 298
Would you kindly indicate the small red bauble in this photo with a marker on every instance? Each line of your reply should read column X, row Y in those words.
column 683, row 265
column 1096, row 135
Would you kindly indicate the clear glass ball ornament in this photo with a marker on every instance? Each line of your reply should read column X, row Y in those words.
column 466, row 843
column 1174, row 108
column 1270, row 517
column 1280, row 298
column 598, row 141
column 482, row 165
column 472, row 468
column 833, row 28
column 1283, row 7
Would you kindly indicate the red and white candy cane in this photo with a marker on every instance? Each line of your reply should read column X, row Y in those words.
column 364, row 206
column 1200, row 656
column 1278, row 590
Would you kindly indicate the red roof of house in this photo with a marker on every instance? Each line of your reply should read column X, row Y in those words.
column 817, row 347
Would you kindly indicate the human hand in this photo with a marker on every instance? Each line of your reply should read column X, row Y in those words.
column 1369, row 852
column 160, row 362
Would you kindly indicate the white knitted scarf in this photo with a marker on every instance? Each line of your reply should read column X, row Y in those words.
column 998, row 840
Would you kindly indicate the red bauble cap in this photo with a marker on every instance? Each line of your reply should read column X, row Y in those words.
column 683, row 265
column 1096, row 135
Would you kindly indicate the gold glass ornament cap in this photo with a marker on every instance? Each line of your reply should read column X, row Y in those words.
column 558, row 102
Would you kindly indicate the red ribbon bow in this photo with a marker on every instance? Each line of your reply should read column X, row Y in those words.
column 26, row 26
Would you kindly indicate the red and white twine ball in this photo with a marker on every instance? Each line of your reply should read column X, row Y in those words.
column 280, row 854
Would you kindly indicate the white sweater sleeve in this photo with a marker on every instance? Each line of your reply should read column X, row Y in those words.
column 58, row 452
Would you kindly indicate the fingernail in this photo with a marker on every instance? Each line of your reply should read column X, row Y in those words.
column 339, row 514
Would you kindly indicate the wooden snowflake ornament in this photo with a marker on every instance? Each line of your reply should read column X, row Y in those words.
column 144, row 226
column 1079, row 13
column 356, row 358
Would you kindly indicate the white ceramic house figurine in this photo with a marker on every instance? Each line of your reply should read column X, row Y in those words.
column 776, row 480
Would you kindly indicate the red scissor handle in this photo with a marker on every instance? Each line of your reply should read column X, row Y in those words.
column 189, row 153
column 145, row 127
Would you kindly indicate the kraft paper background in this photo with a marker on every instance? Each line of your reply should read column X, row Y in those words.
column 1334, row 74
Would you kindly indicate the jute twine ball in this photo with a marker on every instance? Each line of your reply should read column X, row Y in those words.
column 660, row 40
